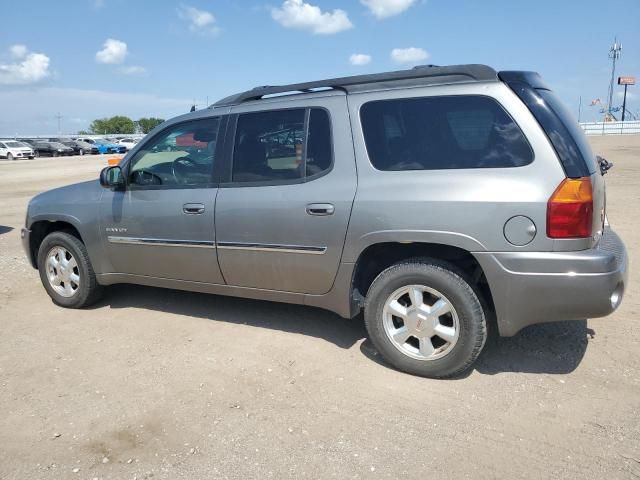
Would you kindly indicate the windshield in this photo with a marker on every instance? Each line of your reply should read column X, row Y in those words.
column 100, row 141
column 57, row 145
column 14, row 144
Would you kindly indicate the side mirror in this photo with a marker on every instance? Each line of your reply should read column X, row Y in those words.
column 112, row 177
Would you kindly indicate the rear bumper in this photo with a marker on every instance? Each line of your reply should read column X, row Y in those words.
column 538, row 287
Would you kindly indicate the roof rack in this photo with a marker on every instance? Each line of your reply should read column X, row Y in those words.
column 420, row 75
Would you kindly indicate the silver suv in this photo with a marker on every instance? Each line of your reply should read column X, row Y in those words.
column 432, row 199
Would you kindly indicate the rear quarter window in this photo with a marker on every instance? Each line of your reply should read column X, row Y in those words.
column 434, row 133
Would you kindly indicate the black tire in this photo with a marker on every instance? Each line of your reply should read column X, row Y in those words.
column 446, row 279
column 36, row 154
column 54, row 154
column 10, row 156
column 89, row 291
column 81, row 152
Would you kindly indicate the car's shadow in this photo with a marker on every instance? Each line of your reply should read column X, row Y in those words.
column 299, row 319
column 5, row 229
column 553, row 348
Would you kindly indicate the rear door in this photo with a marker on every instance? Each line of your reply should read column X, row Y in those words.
column 282, row 215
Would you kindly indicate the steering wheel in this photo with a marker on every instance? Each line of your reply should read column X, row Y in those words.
column 182, row 167
column 145, row 177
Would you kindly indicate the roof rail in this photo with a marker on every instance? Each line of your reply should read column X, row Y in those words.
column 420, row 75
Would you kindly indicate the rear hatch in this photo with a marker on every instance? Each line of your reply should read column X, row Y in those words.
column 566, row 137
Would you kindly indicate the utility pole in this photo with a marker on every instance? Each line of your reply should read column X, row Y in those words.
column 614, row 54
column 59, row 118
column 579, row 108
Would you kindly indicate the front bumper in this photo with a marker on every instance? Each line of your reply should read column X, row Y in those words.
column 25, row 236
column 538, row 287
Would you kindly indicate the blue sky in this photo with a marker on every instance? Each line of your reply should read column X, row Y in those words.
column 93, row 58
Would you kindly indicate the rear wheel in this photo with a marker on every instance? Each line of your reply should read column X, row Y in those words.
column 54, row 154
column 66, row 272
column 425, row 318
column 10, row 156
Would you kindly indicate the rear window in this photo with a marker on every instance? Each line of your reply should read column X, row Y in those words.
column 434, row 133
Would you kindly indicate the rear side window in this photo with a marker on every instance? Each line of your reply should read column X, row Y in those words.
column 435, row 133
column 561, row 128
column 572, row 128
column 282, row 146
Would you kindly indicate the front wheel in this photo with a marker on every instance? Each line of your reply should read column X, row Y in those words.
column 425, row 319
column 66, row 272
column 81, row 152
column 36, row 154
column 10, row 156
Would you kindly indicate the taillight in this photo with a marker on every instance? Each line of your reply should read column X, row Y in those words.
column 570, row 209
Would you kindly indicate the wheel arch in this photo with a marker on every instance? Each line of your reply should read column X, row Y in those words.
column 43, row 227
column 377, row 257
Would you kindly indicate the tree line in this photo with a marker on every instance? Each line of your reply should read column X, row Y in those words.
column 123, row 125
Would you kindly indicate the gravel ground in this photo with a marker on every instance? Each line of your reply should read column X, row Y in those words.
column 166, row 384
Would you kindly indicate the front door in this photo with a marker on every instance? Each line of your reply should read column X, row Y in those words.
column 162, row 224
column 282, row 218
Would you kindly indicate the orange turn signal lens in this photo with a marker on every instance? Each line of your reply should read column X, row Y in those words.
column 112, row 162
column 570, row 209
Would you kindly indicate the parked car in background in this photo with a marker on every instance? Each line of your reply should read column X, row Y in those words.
column 14, row 150
column 128, row 143
column 103, row 145
column 50, row 149
column 79, row 148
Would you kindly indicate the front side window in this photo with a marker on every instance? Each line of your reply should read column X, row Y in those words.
column 282, row 145
column 181, row 156
column 434, row 133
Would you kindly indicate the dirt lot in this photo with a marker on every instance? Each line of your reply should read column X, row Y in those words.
column 164, row 384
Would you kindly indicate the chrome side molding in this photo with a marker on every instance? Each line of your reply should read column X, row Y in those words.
column 160, row 242
column 257, row 247
column 267, row 247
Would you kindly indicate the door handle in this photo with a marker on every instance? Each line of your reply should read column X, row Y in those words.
column 193, row 208
column 320, row 209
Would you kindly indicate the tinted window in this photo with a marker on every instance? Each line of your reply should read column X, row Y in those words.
column 433, row 133
column 572, row 126
column 319, row 148
column 274, row 146
column 180, row 156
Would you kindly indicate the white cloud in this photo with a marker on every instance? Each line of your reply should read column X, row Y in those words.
column 133, row 70
column 200, row 21
column 359, row 59
column 387, row 8
column 29, row 67
column 304, row 16
column 630, row 94
column 18, row 51
column 113, row 51
column 33, row 110
column 409, row 55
